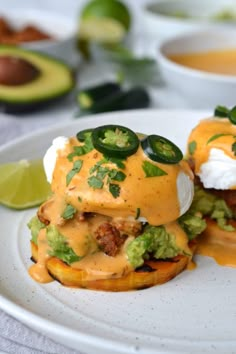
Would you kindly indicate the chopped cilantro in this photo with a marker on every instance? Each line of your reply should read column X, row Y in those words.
column 97, row 165
column 95, row 182
column 152, row 170
column 114, row 189
column 115, row 175
column 76, row 168
column 216, row 136
column 118, row 162
column 137, row 213
column 104, row 174
column 192, row 147
column 83, row 149
column 69, row 212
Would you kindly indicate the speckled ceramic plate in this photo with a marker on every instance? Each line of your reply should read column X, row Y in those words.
column 193, row 313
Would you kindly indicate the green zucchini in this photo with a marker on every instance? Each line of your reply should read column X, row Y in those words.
column 134, row 98
column 90, row 96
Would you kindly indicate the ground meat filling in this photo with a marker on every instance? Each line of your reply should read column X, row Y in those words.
column 109, row 238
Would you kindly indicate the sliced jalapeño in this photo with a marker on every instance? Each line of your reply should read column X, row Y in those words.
column 221, row 111
column 232, row 115
column 115, row 141
column 161, row 150
column 83, row 134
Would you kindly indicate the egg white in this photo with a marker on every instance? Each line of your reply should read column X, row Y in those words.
column 50, row 158
column 219, row 171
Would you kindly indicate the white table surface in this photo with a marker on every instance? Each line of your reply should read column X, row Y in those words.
column 14, row 336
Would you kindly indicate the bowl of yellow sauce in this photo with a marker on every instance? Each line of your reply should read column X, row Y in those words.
column 201, row 66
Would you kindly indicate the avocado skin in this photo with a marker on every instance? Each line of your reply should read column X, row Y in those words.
column 32, row 102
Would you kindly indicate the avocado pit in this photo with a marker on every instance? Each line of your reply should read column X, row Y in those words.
column 15, row 71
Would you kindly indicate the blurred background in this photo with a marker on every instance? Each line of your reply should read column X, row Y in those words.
column 128, row 44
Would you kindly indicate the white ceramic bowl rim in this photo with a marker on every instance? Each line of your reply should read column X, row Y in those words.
column 154, row 9
column 161, row 56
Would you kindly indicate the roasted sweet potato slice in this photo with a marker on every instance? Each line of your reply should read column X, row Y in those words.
column 153, row 273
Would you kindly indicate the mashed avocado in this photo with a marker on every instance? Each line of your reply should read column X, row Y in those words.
column 35, row 225
column 154, row 240
column 192, row 224
column 59, row 246
column 210, row 205
column 157, row 241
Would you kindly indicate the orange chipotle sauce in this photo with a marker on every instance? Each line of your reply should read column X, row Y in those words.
column 215, row 61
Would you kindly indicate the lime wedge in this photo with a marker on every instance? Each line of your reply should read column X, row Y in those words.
column 101, row 30
column 23, row 184
column 105, row 21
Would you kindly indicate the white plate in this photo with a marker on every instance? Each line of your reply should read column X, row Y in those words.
column 193, row 313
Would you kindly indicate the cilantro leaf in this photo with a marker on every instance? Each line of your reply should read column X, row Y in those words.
column 118, row 162
column 102, row 172
column 114, row 189
column 81, row 150
column 138, row 210
column 97, row 165
column 100, row 175
column 76, row 168
column 151, row 170
column 116, row 175
column 69, row 212
column 192, row 147
column 95, row 182
column 216, row 136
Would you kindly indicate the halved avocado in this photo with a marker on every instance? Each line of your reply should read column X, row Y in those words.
column 48, row 79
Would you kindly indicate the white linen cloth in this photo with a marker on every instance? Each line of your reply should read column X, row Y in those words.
column 17, row 338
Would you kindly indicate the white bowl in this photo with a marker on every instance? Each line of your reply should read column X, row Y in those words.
column 61, row 28
column 160, row 19
column 201, row 89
